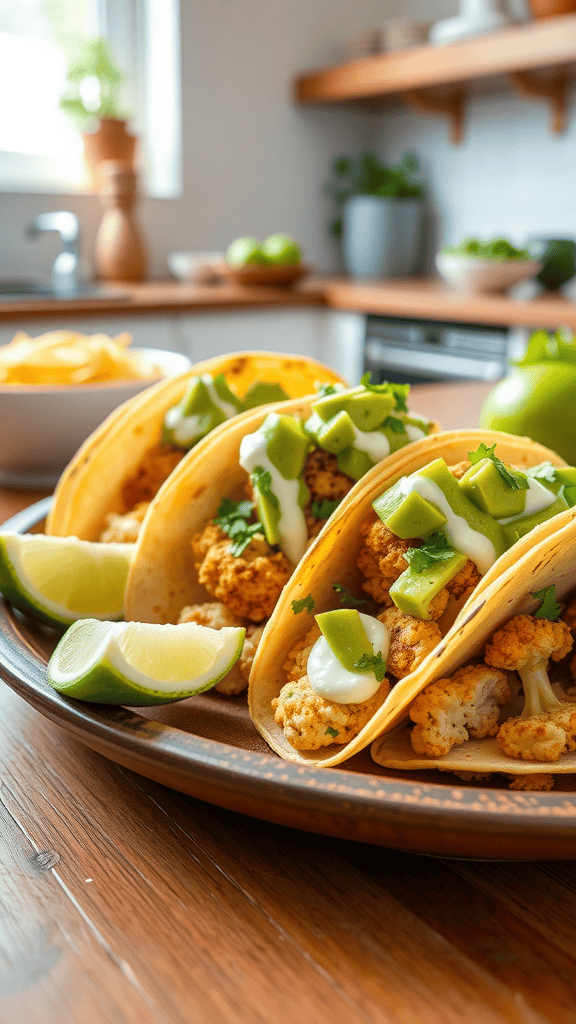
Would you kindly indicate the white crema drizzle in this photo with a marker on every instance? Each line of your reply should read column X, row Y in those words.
column 187, row 428
column 538, row 498
column 292, row 524
column 472, row 543
column 330, row 680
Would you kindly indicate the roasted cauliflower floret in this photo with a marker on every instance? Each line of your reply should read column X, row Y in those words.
column 250, row 584
column 323, row 478
column 124, row 529
column 466, row 579
column 296, row 663
column 381, row 560
column 547, row 726
column 411, row 640
column 217, row 616
column 310, row 722
column 449, row 711
column 543, row 782
column 155, row 468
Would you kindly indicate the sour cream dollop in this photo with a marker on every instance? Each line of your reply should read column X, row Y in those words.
column 330, row 680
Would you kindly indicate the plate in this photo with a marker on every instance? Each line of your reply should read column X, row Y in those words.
column 208, row 748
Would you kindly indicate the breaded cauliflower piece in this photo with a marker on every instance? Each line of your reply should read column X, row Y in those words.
column 310, row 722
column 381, row 560
column 411, row 640
column 543, row 782
column 248, row 585
column 460, row 468
column 547, row 726
column 154, row 469
column 569, row 613
column 449, row 711
column 217, row 616
column 323, row 478
column 211, row 613
column 466, row 579
column 124, row 529
column 296, row 663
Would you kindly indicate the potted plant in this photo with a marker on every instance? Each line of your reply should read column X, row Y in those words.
column 93, row 102
column 380, row 215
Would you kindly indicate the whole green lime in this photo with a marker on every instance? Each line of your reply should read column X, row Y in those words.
column 282, row 250
column 537, row 401
column 245, row 252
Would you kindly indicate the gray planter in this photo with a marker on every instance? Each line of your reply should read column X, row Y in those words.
column 382, row 237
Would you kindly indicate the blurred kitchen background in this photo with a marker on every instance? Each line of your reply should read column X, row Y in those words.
column 228, row 145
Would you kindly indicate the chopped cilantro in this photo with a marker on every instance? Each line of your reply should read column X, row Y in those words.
column 262, row 480
column 549, row 609
column 436, row 549
column 545, row 471
column 516, row 480
column 346, row 596
column 307, row 603
column 399, row 391
column 373, row 663
column 291, row 694
column 323, row 390
column 393, row 423
column 324, row 509
column 233, row 518
column 331, row 732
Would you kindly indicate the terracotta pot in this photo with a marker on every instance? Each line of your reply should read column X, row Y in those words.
column 111, row 141
column 551, row 8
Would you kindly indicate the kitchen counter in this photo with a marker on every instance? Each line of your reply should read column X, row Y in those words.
column 126, row 901
column 420, row 298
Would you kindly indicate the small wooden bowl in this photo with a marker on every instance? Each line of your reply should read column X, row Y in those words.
column 265, row 275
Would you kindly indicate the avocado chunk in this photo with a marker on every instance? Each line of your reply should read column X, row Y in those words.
column 408, row 515
column 485, row 486
column 395, row 432
column 354, row 463
column 569, row 495
column 478, row 520
column 263, row 393
column 367, row 409
column 337, row 434
column 197, row 400
column 346, row 636
column 413, row 592
column 268, row 511
column 225, row 393
column 566, row 475
column 287, row 444
column 521, row 526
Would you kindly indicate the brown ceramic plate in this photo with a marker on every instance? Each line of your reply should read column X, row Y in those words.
column 207, row 747
column 265, row 275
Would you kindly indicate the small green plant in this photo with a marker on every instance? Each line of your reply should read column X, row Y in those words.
column 495, row 249
column 94, row 85
column 367, row 176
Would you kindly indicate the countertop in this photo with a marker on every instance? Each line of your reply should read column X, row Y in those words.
column 420, row 298
column 126, row 902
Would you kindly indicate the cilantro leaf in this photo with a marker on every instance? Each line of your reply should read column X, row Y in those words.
column 373, row 663
column 516, row 480
column 393, row 423
column 435, row 549
column 262, row 481
column 331, row 732
column 323, row 510
column 233, row 518
column 323, row 390
column 549, row 609
column 307, row 603
column 347, row 597
column 230, row 510
column 399, row 391
column 545, row 471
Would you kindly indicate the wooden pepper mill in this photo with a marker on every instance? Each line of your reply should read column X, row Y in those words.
column 120, row 252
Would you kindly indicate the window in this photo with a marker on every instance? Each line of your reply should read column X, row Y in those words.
column 40, row 148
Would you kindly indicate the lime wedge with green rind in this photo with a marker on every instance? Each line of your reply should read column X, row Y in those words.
column 61, row 579
column 140, row 663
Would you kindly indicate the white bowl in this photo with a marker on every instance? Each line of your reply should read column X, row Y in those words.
column 43, row 426
column 195, row 267
column 472, row 275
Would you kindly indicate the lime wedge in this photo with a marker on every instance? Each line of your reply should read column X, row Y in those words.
column 62, row 579
column 139, row 663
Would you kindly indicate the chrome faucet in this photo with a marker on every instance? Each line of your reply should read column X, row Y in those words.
column 66, row 264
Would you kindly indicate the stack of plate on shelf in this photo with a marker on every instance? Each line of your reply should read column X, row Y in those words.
column 402, row 35
column 364, row 44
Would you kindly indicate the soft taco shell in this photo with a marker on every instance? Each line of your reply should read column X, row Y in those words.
column 552, row 561
column 333, row 559
column 91, row 485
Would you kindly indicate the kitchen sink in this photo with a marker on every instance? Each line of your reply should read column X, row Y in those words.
column 13, row 291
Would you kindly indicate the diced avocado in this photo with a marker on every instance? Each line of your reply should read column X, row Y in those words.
column 485, row 486
column 408, row 515
column 520, row 527
column 543, row 470
column 197, row 401
column 269, row 515
column 263, row 393
column 397, row 438
column 369, row 409
column 287, row 444
column 346, row 635
column 569, row 495
column 225, row 393
column 330, row 405
column 413, row 592
column 354, row 463
column 337, row 434
column 566, row 475
column 478, row 520
column 303, row 494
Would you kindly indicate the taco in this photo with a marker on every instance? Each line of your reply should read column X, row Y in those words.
column 225, row 532
column 395, row 570
column 105, row 491
column 501, row 698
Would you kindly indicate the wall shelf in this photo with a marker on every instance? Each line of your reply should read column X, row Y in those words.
column 538, row 59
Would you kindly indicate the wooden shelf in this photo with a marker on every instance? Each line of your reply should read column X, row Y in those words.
column 515, row 52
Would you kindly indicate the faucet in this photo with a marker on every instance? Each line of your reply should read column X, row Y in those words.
column 66, row 264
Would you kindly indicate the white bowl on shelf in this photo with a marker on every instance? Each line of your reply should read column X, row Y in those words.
column 43, row 425
column 475, row 276
column 196, row 267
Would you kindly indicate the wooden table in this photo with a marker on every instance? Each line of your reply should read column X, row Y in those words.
column 126, row 902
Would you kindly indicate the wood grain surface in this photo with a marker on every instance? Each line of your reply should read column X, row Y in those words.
column 123, row 901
